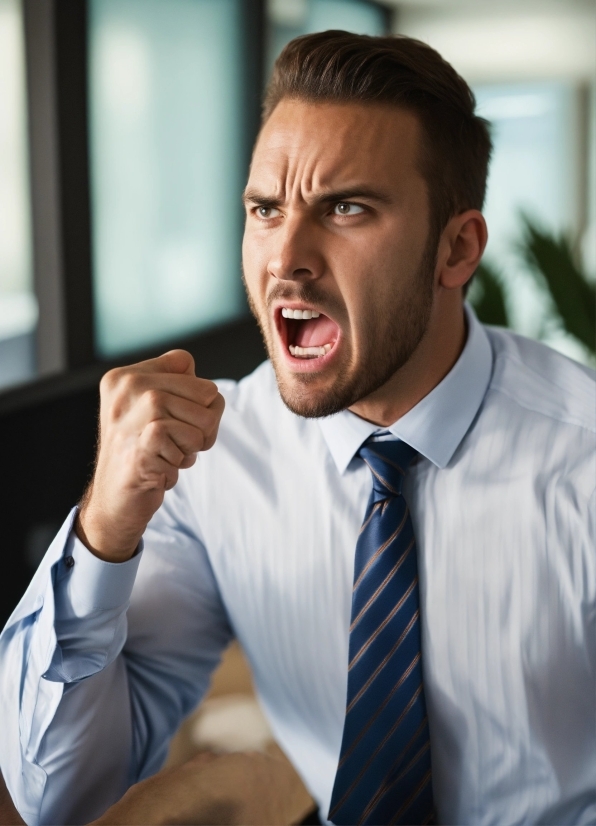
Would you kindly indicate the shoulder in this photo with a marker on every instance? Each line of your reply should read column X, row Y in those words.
column 539, row 380
column 539, row 419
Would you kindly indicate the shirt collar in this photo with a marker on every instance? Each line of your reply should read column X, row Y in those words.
column 438, row 423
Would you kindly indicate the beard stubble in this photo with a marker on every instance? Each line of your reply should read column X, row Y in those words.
column 403, row 324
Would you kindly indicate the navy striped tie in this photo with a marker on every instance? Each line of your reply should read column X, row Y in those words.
column 384, row 772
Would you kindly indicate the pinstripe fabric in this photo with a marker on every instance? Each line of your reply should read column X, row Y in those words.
column 260, row 536
column 384, row 772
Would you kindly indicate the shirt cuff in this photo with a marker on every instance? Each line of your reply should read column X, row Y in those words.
column 93, row 585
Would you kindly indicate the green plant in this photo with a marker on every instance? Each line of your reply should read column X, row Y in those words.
column 550, row 260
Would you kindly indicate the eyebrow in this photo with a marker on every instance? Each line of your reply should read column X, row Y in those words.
column 253, row 196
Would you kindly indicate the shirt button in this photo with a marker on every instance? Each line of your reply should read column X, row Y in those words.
column 68, row 561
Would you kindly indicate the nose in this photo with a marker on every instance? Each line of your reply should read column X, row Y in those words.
column 296, row 253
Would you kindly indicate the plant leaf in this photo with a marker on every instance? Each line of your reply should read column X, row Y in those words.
column 551, row 261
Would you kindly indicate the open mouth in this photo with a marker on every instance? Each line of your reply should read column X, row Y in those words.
column 306, row 333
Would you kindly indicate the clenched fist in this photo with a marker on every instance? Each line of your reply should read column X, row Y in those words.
column 155, row 417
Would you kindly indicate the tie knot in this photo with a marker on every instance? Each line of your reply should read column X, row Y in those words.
column 388, row 462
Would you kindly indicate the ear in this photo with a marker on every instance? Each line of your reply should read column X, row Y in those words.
column 460, row 249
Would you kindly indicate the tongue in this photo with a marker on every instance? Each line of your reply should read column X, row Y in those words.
column 315, row 332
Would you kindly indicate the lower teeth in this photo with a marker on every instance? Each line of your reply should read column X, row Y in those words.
column 310, row 352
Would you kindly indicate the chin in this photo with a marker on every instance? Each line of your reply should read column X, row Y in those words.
column 309, row 406
column 312, row 397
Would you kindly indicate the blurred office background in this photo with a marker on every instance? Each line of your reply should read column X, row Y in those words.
column 125, row 134
column 126, row 128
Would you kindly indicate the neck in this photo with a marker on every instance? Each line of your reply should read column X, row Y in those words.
column 435, row 355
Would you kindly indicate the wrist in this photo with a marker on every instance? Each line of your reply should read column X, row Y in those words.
column 106, row 544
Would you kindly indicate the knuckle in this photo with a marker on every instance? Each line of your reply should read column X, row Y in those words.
column 126, row 383
column 115, row 394
column 156, row 430
column 154, row 398
column 108, row 381
column 115, row 380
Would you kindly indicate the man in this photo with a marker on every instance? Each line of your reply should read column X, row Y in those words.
column 396, row 518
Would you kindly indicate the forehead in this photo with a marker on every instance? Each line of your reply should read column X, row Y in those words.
column 324, row 142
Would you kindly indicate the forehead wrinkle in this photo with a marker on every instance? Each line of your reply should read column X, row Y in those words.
column 306, row 180
column 300, row 165
column 322, row 167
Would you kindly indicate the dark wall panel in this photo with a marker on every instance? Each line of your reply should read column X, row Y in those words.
column 47, row 454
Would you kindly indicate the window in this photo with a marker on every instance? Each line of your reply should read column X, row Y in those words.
column 167, row 158
column 534, row 171
column 291, row 18
column 18, row 308
column 166, row 168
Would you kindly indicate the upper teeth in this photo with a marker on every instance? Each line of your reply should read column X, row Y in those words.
column 299, row 314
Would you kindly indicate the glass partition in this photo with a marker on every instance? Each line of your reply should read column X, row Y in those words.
column 535, row 171
column 18, row 307
column 167, row 158
column 291, row 18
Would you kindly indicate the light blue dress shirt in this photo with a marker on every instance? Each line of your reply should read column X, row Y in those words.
column 100, row 661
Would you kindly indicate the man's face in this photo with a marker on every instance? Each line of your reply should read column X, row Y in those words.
column 336, row 255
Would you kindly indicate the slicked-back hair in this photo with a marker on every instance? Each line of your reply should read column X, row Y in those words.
column 339, row 67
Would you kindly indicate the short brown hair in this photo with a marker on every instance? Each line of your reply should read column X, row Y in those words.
column 336, row 66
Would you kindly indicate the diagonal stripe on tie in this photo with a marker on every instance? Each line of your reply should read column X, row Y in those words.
column 388, row 779
column 384, row 771
column 382, row 586
column 365, row 728
column 381, row 627
column 374, row 557
column 382, row 664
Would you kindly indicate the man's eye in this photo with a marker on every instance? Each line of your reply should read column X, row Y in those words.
column 347, row 209
column 265, row 213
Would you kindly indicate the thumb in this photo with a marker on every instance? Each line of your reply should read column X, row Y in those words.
column 176, row 361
